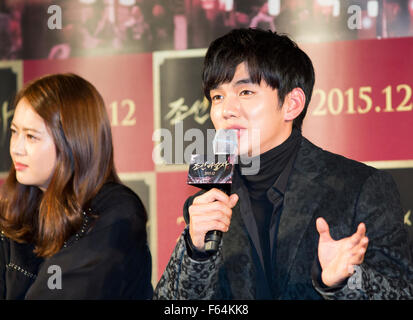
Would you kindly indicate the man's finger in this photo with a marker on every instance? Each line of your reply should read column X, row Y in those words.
column 361, row 229
column 233, row 199
column 358, row 257
column 210, row 207
column 358, row 235
column 211, row 196
column 211, row 216
column 363, row 243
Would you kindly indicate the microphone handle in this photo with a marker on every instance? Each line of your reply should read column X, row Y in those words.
column 212, row 240
column 213, row 237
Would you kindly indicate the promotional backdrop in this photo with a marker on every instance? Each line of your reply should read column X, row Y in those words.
column 145, row 58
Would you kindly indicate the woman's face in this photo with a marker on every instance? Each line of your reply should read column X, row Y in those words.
column 32, row 148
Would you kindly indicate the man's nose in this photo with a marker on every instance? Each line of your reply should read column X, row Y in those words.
column 231, row 108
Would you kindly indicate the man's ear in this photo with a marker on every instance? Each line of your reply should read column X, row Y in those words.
column 294, row 104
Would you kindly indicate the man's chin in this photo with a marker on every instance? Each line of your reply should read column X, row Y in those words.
column 248, row 153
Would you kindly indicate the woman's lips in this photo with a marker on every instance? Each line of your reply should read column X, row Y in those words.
column 20, row 166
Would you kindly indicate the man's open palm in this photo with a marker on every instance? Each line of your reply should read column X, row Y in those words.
column 337, row 257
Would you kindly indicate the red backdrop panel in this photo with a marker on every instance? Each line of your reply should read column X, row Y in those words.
column 172, row 192
column 362, row 105
column 125, row 83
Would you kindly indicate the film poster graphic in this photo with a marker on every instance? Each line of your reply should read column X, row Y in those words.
column 11, row 82
column 172, row 191
column 125, row 83
column 365, row 116
column 98, row 28
column 179, row 102
column 143, row 184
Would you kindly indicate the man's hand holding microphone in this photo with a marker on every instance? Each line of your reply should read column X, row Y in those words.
column 210, row 211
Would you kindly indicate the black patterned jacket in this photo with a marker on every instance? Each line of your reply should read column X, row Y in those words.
column 321, row 184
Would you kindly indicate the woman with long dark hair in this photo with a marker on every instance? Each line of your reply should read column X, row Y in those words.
column 69, row 228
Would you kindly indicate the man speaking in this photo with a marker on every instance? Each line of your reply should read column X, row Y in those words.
column 310, row 224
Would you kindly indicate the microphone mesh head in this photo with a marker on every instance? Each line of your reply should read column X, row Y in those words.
column 225, row 141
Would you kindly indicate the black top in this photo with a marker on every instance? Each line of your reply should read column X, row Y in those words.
column 266, row 193
column 107, row 259
column 272, row 163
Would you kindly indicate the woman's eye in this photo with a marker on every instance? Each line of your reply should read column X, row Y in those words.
column 216, row 97
column 13, row 131
column 31, row 137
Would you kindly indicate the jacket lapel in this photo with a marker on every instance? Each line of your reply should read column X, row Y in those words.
column 238, row 261
column 246, row 214
column 301, row 201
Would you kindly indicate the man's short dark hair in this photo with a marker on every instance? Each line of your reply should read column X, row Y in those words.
column 269, row 56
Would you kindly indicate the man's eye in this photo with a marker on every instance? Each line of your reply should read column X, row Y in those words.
column 217, row 97
column 246, row 93
column 13, row 131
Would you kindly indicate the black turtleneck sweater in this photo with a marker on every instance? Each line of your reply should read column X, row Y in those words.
column 266, row 192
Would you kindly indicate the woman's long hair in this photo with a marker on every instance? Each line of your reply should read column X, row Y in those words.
column 75, row 114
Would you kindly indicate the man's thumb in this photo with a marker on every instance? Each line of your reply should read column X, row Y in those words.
column 323, row 229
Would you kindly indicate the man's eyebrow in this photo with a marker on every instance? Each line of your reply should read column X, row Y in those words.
column 243, row 81
column 239, row 82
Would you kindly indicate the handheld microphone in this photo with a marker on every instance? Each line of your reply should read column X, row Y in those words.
column 215, row 172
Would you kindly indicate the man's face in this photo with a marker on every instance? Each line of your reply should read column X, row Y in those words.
column 250, row 108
